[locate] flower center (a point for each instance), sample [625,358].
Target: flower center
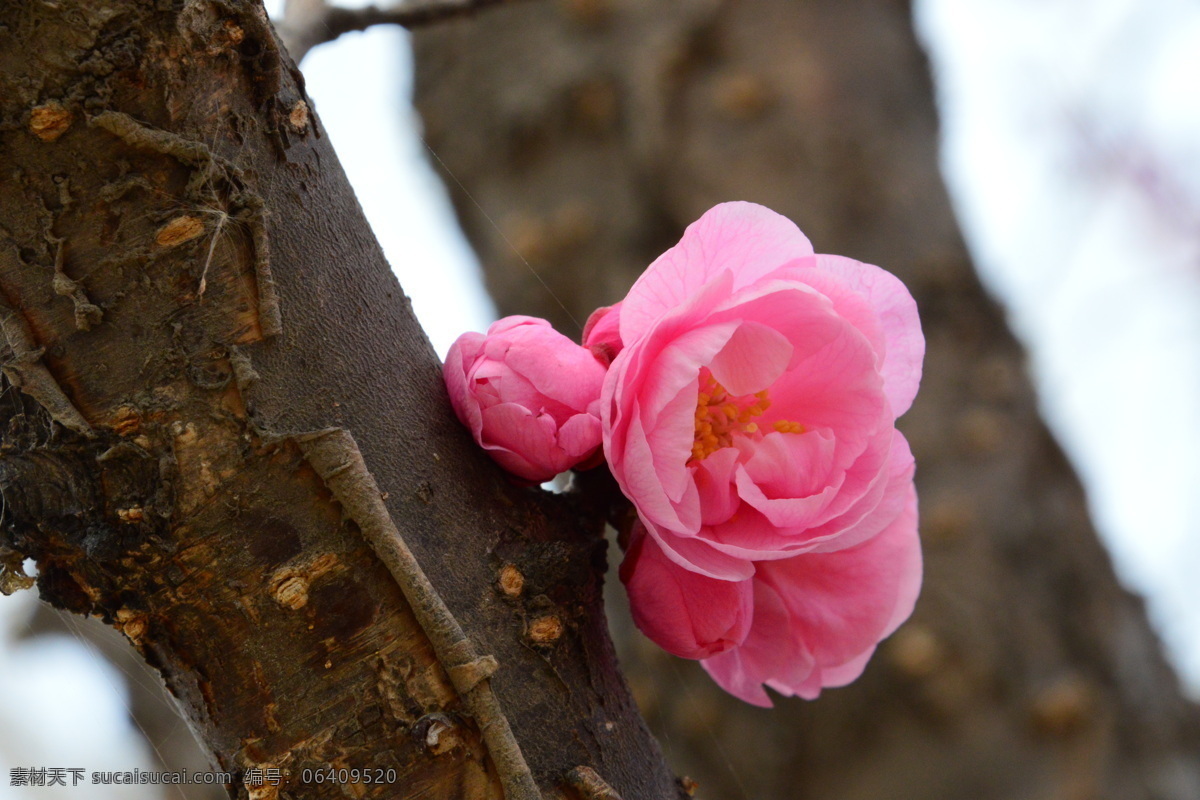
[719,416]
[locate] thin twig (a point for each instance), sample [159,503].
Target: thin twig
[335,456]
[308,23]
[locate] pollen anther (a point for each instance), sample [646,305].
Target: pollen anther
[719,416]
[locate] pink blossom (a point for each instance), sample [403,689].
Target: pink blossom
[750,417]
[529,395]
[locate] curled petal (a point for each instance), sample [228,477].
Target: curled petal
[897,314]
[602,333]
[685,613]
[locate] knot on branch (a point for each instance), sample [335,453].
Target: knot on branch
[466,677]
[78,507]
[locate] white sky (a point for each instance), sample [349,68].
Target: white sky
[1072,149]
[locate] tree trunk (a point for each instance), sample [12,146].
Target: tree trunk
[581,137]
[226,412]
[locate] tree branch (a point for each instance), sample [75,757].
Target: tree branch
[335,456]
[260,571]
[308,23]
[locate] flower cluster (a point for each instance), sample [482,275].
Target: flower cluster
[745,394]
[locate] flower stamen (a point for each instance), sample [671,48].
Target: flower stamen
[719,416]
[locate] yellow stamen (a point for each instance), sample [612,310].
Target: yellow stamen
[719,416]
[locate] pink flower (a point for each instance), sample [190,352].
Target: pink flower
[529,395]
[750,417]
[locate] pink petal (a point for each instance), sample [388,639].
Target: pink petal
[876,509]
[818,618]
[641,484]
[906,528]
[843,603]
[602,333]
[747,239]
[793,482]
[714,483]
[831,677]
[531,437]
[579,437]
[684,613]
[790,465]
[846,498]
[673,432]
[897,312]
[496,382]
[678,364]
[668,391]
[513,323]
[454,372]
[614,411]
[848,304]
[752,359]
[769,653]
[750,535]
[802,315]
[700,556]
[553,365]
[630,370]
[519,465]
[835,388]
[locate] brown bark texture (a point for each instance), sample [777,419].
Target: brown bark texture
[579,138]
[224,433]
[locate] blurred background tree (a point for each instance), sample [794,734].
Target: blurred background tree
[580,137]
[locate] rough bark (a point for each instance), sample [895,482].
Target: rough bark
[230,430]
[580,137]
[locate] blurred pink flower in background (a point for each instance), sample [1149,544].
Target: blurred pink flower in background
[749,415]
[528,394]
